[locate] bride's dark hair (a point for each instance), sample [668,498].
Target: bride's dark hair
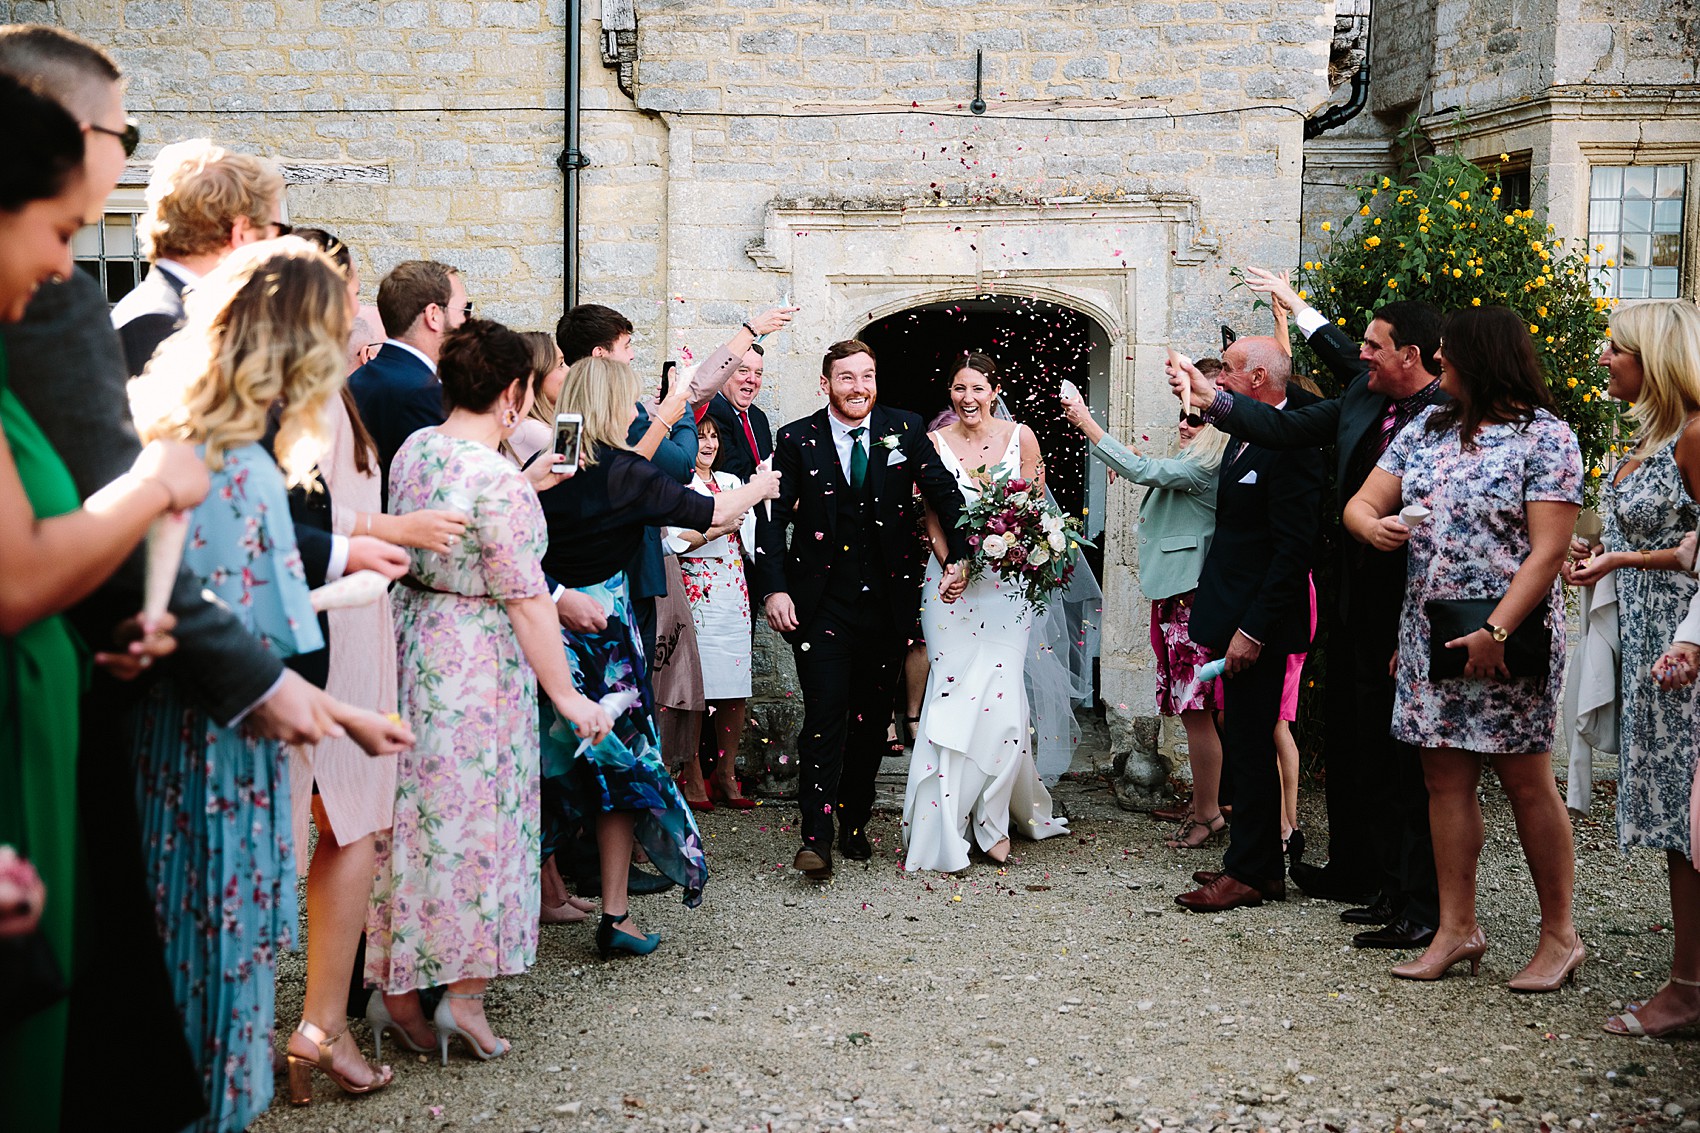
[975,360]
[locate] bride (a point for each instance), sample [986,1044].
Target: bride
[972,767]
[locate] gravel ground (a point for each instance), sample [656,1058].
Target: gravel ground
[1063,991]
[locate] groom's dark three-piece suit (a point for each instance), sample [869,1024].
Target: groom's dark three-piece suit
[853,570]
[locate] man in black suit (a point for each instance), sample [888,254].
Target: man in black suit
[1253,607]
[1379,845]
[397,392]
[206,203]
[745,438]
[847,592]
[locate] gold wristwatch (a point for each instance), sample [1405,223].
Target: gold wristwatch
[1496,632]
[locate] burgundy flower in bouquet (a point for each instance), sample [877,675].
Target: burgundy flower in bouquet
[1018,533]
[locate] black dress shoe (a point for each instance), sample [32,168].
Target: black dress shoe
[1378,912]
[853,844]
[1327,884]
[1402,933]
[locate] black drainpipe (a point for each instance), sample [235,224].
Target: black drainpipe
[1340,115]
[571,161]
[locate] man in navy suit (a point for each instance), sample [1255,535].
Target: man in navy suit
[397,392]
[206,203]
[1253,607]
[745,437]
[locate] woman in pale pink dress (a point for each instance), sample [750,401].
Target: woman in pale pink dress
[351,794]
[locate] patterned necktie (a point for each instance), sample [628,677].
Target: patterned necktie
[1389,426]
[858,459]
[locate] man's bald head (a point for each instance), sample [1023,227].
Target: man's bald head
[1256,366]
[72,71]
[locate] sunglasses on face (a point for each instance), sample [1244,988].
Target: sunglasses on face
[1194,419]
[129,137]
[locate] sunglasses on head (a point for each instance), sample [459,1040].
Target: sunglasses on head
[129,137]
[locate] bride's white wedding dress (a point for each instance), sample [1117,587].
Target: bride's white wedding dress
[972,767]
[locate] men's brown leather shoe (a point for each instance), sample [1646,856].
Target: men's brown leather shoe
[1274,891]
[814,866]
[1219,896]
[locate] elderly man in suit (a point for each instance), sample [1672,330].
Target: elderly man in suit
[1379,845]
[204,202]
[846,593]
[746,439]
[1253,608]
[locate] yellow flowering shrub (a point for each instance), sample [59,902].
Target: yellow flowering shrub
[1426,223]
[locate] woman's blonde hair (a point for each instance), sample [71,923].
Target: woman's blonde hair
[1665,335]
[544,355]
[1207,447]
[267,328]
[603,392]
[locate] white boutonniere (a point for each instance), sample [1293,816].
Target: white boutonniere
[891,441]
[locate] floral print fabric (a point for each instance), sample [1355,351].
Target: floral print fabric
[214,801]
[457,879]
[1178,659]
[1650,510]
[1472,545]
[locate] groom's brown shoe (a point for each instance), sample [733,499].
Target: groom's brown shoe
[814,866]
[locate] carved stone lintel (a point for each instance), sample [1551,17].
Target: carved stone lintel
[294,173]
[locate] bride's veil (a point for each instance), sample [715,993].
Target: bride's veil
[1059,661]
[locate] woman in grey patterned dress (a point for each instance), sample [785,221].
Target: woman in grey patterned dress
[1654,362]
[1503,479]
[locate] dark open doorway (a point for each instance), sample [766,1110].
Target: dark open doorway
[1036,344]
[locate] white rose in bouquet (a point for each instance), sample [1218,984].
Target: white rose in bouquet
[1040,556]
[995,546]
[1056,540]
[1018,499]
[1052,525]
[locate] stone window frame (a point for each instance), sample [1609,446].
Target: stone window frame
[1684,153]
[1610,229]
[97,247]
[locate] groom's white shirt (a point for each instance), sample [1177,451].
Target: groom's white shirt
[842,440]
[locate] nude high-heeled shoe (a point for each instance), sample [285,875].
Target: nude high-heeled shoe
[1524,982]
[301,1068]
[1472,948]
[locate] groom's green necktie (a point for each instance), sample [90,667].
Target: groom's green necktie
[858,459]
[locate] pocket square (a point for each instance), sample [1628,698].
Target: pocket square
[894,457]
[1249,477]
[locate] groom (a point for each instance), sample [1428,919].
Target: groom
[847,593]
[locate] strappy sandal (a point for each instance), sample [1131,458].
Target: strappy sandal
[1183,837]
[301,1068]
[1629,1024]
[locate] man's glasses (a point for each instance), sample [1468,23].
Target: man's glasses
[129,137]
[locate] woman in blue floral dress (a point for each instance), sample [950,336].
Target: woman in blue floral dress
[1502,477]
[1653,359]
[269,326]
[620,789]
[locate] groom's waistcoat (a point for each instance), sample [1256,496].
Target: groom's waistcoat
[857,563]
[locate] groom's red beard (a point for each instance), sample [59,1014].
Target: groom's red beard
[840,406]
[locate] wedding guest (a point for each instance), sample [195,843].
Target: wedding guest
[397,392]
[1177,521]
[711,563]
[1287,748]
[67,329]
[351,795]
[1502,479]
[548,370]
[747,437]
[1653,362]
[456,900]
[204,202]
[620,788]
[268,326]
[55,549]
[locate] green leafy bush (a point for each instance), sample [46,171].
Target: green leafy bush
[1443,235]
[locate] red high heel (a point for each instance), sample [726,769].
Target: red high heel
[736,802]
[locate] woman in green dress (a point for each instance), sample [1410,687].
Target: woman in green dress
[54,550]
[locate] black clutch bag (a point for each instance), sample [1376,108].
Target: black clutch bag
[1528,651]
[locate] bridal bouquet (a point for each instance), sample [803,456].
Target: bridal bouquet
[1018,534]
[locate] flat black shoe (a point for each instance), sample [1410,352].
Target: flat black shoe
[640,883]
[1378,912]
[1325,884]
[1401,933]
[853,844]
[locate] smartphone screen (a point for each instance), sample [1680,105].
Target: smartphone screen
[568,428]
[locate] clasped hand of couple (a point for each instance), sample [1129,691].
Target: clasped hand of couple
[1587,564]
[782,612]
